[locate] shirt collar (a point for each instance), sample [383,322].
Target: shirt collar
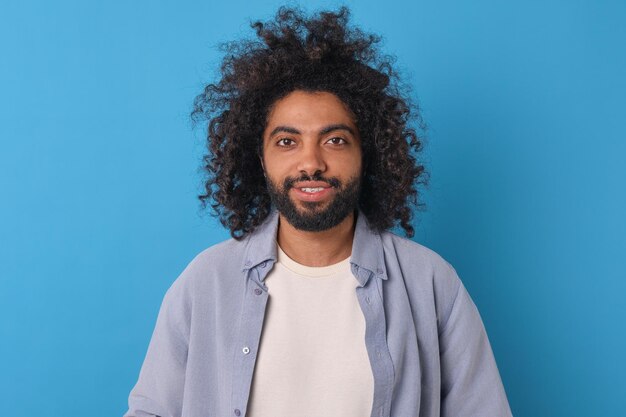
[367,250]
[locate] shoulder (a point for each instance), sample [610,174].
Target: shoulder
[225,254]
[416,255]
[423,271]
[221,261]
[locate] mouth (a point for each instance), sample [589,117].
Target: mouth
[312,192]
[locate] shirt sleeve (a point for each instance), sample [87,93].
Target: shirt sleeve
[159,389]
[470,381]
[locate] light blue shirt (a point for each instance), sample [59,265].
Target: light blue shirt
[426,343]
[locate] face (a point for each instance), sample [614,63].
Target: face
[312,159]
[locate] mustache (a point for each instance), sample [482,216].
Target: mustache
[290,181]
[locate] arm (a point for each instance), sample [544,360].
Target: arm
[159,389]
[470,381]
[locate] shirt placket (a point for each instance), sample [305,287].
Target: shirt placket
[371,302]
[247,347]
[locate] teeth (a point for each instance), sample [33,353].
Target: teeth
[312,190]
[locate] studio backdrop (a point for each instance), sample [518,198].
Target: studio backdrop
[99,176]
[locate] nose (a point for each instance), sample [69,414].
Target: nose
[311,160]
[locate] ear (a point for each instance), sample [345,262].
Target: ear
[262,166]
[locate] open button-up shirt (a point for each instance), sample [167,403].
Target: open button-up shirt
[427,345]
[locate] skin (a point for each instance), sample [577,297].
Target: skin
[336,153]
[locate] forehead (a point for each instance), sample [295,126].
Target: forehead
[309,110]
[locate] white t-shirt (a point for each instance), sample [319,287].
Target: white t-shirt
[312,360]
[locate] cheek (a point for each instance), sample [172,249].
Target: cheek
[274,166]
[353,164]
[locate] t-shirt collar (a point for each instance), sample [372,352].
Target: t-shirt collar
[367,250]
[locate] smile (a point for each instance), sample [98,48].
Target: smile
[312,193]
[312,190]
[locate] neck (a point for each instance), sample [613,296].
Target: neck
[317,248]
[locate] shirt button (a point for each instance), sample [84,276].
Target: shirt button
[258,291]
[237,412]
[245,350]
[248,263]
[379,271]
[263,264]
[367,299]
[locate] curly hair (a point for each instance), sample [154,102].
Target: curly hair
[319,53]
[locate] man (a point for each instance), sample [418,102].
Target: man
[313,308]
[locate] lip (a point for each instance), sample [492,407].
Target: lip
[318,196]
[311,184]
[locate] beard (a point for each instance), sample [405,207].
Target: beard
[315,217]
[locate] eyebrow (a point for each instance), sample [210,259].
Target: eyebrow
[325,130]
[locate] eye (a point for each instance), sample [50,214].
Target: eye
[337,141]
[285,142]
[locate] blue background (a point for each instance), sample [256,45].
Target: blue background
[99,173]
